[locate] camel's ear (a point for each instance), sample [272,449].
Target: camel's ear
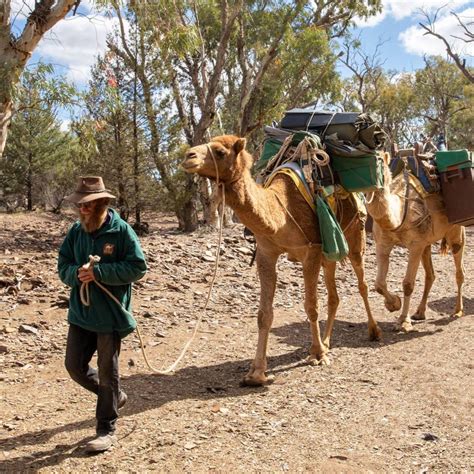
[385,155]
[239,145]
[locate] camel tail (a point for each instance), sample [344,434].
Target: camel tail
[444,247]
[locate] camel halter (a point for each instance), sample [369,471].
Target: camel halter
[85,297]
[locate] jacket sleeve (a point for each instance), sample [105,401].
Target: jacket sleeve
[131,268]
[67,266]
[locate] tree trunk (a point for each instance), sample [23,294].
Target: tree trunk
[121,201]
[208,198]
[5,115]
[187,214]
[136,167]
[29,184]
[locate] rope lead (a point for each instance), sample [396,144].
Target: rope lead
[85,297]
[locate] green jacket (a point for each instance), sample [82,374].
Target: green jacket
[121,263]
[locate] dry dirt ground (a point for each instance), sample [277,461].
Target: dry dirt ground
[402,405]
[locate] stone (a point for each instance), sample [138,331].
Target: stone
[27,329]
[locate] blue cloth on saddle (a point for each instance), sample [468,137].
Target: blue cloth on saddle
[417,169]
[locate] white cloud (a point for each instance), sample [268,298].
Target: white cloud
[75,43]
[65,125]
[416,42]
[400,9]
[403,8]
[21,8]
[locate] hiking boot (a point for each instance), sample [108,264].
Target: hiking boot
[122,399]
[102,442]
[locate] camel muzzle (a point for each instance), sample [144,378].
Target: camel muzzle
[191,163]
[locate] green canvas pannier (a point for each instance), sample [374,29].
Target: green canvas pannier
[334,244]
[363,173]
[457,158]
[271,146]
[274,140]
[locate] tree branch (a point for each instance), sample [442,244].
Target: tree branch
[429,30]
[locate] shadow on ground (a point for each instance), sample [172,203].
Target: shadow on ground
[148,392]
[446,304]
[349,334]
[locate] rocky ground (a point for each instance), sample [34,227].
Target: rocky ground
[401,405]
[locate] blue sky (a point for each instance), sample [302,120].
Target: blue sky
[74,43]
[404,42]
[392,51]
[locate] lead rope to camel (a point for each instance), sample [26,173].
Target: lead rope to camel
[85,299]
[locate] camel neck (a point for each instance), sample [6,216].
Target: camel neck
[386,209]
[256,207]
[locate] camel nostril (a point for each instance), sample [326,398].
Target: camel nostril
[190,154]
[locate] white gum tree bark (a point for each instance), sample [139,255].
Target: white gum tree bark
[15,51]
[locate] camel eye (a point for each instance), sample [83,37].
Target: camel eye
[220,152]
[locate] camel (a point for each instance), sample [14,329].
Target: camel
[406,217]
[282,222]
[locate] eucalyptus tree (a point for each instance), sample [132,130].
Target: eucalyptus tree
[228,66]
[111,104]
[368,75]
[462,124]
[397,110]
[16,49]
[443,94]
[283,57]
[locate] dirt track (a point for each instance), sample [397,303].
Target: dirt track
[403,405]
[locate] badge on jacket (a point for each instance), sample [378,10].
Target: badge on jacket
[108,249]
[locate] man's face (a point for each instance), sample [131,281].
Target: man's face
[91,214]
[86,209]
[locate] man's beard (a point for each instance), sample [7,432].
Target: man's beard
[94,220]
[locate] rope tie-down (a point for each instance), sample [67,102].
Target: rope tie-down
[93,259]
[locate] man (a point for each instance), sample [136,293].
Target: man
[100,326]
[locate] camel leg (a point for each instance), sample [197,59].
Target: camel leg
[427,263]
[333,300]
[456,239]
[357,262]
[414,257]
[392,302]
[266,266]
[318,350]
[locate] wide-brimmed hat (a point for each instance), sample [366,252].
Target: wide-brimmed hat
[89,188]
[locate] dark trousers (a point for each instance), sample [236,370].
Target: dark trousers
[105,382]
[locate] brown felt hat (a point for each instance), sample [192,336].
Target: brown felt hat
[89,188]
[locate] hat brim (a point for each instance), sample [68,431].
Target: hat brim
[79,198]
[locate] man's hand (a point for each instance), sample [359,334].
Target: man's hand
[86,274]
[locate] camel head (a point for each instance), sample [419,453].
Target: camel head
[226,152]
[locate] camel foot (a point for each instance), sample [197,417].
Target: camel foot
[419,316]
[375,333]
[393,304]
[326,344]
[257,381]
[404,326]
[314,361]
[458,314]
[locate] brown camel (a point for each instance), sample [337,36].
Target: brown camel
[282,222]
[408,217]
